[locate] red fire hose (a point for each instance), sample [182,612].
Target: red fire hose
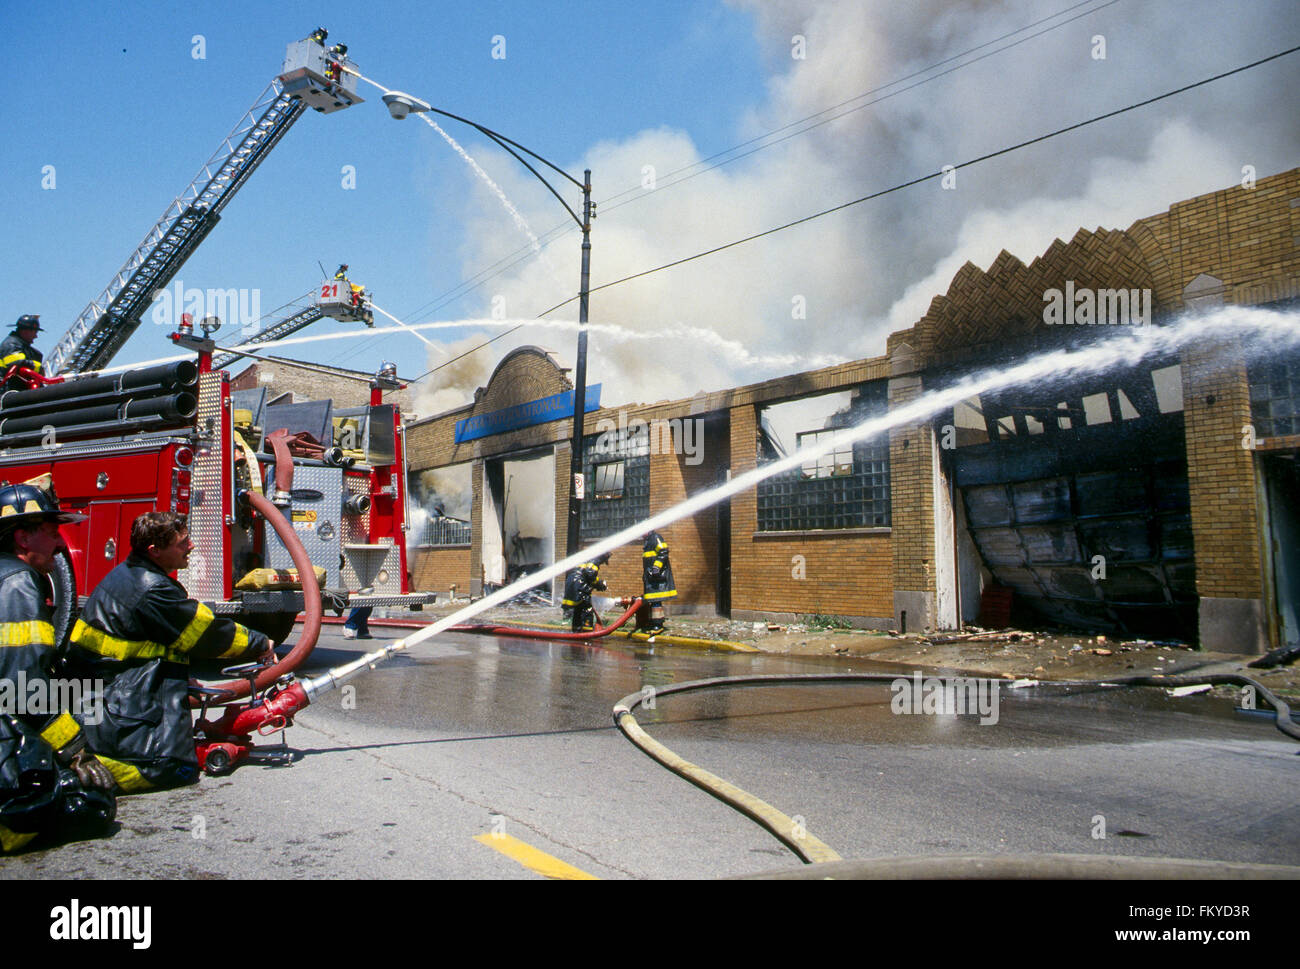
[487,629]
[311,606]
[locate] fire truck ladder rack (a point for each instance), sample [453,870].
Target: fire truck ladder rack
[109,321]
[276,331]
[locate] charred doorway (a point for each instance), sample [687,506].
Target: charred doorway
[1280,480]
[518,517]
[1074,495]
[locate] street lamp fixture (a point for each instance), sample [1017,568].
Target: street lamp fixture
[399,106]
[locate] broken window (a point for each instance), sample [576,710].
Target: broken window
[439,504]
[847,487]
[616,468]
[607,480]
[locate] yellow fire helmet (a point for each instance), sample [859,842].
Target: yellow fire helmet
[32,501]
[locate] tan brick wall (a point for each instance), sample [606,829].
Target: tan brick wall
[845,576]
[693,541]
[312,385]
[911,484]
[436,569]
[1221,475]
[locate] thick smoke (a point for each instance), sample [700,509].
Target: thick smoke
[836,287]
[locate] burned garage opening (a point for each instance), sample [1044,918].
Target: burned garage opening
[1074,495]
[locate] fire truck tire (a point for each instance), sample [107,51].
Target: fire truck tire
[63,583]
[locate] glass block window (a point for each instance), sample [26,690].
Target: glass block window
[1275,396]
[616,472]
[443,531]
[847,488]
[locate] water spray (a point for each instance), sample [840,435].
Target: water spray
[409,329]
[1125,350]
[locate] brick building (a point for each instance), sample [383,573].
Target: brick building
[1160,499]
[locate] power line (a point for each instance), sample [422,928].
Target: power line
[525,253]
[887,191]
[859,107]
[932,175]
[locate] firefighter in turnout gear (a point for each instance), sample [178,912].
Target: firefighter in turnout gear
[137,634]
[356,292]
[578,587]
[657,580]
[17,350]
[49,781]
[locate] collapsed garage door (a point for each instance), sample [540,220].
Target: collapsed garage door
[1076,498]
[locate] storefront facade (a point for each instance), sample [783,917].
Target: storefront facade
[1126,502]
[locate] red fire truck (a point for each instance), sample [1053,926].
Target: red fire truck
[175,437]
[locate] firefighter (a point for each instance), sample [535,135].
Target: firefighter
[319,35]
[17,349]
[48,779]
[137,634]
[657,579]
[342,272]
[578,587]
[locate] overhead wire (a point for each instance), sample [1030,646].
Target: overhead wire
[925,178]
[894,188]
[526,253]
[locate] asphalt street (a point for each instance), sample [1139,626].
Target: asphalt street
[473,757]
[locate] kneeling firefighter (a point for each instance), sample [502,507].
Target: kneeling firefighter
[656,579]
[578,587]
[137,634]
[49,782]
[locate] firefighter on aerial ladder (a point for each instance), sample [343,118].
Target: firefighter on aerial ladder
[49,781]
[137,634]
[357,291]
[17,350]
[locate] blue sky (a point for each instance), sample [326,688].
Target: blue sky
[111,96]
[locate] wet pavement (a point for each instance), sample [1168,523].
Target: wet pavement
[474,736]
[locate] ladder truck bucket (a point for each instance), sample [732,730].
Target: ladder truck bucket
[319,78]
[337,300]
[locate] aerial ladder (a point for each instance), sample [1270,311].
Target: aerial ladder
[312,76]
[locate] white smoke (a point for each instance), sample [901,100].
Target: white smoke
[836,287]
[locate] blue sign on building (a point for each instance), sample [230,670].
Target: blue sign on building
[543,411]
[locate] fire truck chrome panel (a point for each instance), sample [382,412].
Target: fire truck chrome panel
[373,566]
[205,577]
[356,528]
[316,512]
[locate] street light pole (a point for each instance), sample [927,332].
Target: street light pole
[574,531]
[401,105]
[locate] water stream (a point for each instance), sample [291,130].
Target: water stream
[1265,330]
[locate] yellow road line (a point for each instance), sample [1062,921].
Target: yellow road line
[532,858]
